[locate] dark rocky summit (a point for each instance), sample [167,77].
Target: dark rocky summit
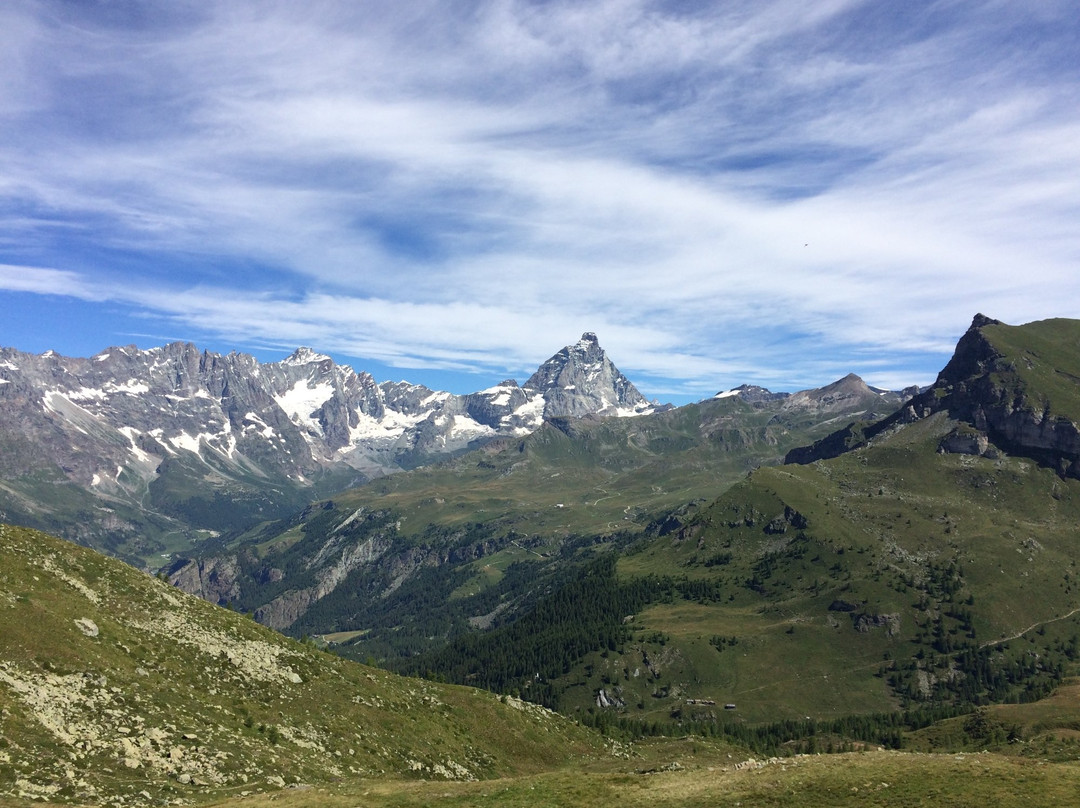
[986,386]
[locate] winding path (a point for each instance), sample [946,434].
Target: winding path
[1033,626]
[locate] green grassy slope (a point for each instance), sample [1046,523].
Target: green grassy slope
[894,574]
[114,686]
[902,557]
[879,779]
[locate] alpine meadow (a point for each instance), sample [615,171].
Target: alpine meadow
[526,403]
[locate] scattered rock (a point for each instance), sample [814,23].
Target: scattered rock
[87,626]
[863,623]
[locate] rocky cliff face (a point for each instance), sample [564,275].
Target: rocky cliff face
[192,440]
[1012,388]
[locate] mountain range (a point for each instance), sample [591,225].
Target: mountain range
[885,550]
[758,573]
[143,452]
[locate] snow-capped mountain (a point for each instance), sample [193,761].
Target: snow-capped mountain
[217,441]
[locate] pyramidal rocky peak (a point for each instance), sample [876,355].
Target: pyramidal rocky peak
[581,380]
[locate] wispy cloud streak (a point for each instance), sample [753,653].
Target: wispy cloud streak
[748,191]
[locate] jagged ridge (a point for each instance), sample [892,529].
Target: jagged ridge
[173,439]
[1013,388]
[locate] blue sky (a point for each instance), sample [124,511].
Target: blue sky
[772,191]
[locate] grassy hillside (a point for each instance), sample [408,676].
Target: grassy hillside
[117,690]
[114,687]
[880,779]
[928,565]
[469,542]
[1045,357]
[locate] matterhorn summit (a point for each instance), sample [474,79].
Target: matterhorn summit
[580,380]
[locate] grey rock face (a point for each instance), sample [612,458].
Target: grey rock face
[581,380]
[191,438]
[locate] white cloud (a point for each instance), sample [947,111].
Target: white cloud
[451,187]
[43,281]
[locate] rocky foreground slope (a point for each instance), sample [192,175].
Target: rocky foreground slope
[117,689]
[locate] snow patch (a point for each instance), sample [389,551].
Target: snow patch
[131,386]
[500,394]
[728,394]
[434,398]
[462,426]
[301,402]
[85,394]
[258,424]
[393,424]
[188,442]
[130,433]
[530,414]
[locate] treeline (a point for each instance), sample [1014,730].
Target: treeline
[785,737]
[585,615]
[405,616]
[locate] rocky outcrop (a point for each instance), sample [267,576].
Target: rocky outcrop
[864,623]
[214,579]
[1008,396]
[966,441]
[332,569]
[610,699]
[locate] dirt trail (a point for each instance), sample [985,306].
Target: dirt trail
[1032,627]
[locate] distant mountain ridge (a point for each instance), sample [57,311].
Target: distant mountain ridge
[835,396]
[194,439]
